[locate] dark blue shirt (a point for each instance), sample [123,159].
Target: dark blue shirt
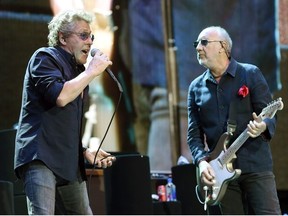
[47,132]
[208,111]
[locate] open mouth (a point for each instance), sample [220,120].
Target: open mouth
[85,52]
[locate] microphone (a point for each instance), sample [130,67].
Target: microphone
[93,52]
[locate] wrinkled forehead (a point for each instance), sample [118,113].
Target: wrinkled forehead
[81,25]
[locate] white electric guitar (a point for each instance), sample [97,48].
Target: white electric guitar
[221,160]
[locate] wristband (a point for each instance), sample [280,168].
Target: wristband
[202,159]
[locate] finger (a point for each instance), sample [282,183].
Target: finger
[98,164]
[206,176]
[252,125]
[103,164]
[253,133]
[211,172]
[250,134]
[252,130]
[110,157]
[207,182]
[109,163]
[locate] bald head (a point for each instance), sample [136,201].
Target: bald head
[220,33]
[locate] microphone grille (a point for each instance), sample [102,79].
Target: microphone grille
[93,52]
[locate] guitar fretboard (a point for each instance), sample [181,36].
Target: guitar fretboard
[229,153]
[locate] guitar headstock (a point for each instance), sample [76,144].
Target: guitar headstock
[270,110]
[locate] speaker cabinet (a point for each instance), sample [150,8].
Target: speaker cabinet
[184,177]
[6,198]
[7,146]
[167,208]
[128,186]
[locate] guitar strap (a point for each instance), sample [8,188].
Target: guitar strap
[231,122]
[234,106]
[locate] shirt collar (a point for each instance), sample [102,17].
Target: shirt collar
[71,59]
[231,70]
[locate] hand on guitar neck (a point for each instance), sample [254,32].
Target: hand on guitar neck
[256,127]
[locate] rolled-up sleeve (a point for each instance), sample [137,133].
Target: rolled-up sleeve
[47,77]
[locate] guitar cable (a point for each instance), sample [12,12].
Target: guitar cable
[197,195]
[205,188]
[206,197]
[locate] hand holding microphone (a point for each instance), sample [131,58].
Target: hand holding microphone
[93,52]
[99,62]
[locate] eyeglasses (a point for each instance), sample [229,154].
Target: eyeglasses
[84,35]
[204,42]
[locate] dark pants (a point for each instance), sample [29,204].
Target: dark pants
[253,193]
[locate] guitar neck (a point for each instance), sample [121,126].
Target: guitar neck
[230,152]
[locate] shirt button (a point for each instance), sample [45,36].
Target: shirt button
[219,90]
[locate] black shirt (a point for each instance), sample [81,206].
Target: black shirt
[208,111]
[47,132]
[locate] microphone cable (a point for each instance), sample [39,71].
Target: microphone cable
[108,127]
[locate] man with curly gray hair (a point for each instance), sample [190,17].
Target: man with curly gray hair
[49,158]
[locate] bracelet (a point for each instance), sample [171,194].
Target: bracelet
[202,159]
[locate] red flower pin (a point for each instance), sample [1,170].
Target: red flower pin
[243,91]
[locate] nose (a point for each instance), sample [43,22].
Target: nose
[90,41]
[198,47]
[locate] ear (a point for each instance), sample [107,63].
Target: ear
[62,38]
[223,47]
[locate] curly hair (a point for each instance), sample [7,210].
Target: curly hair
[64,22]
